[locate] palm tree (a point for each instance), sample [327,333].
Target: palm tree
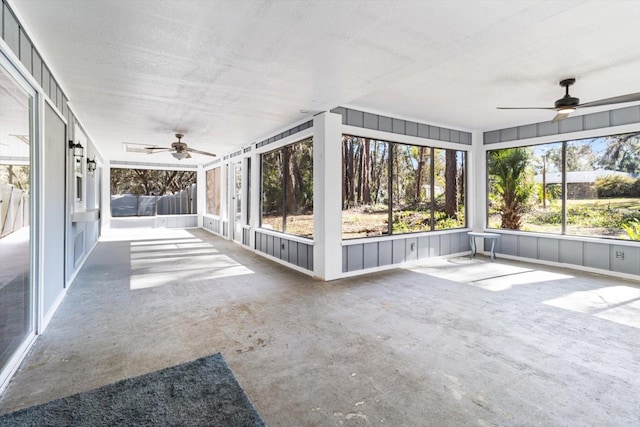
[507,174]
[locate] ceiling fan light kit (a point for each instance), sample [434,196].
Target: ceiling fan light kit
[568,104]
[179,150]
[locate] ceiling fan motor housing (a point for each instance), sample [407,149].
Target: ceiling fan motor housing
[567,101]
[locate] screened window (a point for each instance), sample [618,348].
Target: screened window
[287,189]
[587,187]
[149,192]
[391,188]
[213,191]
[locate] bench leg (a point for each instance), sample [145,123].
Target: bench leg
[472,243]
[493,249]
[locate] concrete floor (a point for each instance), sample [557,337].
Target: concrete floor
[448,343]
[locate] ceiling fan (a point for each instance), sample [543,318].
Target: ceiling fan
[568,104]
[178,149]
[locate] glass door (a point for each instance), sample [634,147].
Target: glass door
[237,202]
[17,300]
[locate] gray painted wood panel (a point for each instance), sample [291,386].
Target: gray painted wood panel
[398,251]
[370,255]
[385,252]
[598,120]
[355,257]
[571,252]
[597,255]
[528,247]
[625,259]
[549,249]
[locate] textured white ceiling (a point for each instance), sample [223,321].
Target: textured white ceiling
[228,73]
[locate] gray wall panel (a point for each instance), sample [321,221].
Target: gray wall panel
[424,250]
[293,253]
[398,251]
[492,137]
[355,118]
[344,259]
[25,51]
[355,257]
[549,249]
[445,135]
[411,249]
[434,132]
[412,128]
[571,252]
[509,134]
[284,250]
[385,124]
[528,247]
[445,244]
[572,124]
[624,116]
[547,128]
[398,126]
[596,255]
[455,243]
[385,251]
[309,257]
[423,130]
[434,242]
[625,259]
[508,245]
[303,256]
[370,255]
[276,247]
[370,121]
[528,131]
[11,31]
[597,120]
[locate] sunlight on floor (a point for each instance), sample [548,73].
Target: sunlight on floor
[491,276]
[167,256]
[620,304]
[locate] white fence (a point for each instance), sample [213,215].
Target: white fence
[14,209]
[181,203]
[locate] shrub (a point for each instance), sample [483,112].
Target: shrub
[617,186]
[633,229]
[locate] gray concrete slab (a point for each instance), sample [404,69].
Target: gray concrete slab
[449,342]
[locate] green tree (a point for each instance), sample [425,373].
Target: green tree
[508,178]
[622,153]
[150,182]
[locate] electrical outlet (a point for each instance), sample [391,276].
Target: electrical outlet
[413,247]
[619,254]
[282,246]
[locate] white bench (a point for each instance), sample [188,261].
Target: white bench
[491,236]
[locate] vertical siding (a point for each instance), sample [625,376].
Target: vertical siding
[367,255]
[290,251]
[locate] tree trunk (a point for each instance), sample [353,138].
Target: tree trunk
[451,187]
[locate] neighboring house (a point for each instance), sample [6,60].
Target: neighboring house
[580,184]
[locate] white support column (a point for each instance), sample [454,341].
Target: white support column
[327,196]
[255,204]
[201,194]
[477,191]
[105,196]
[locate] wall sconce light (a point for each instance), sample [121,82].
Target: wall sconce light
[78,150]
[91,166]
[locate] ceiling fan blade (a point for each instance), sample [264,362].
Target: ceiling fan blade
[631,97]
[525,108]
[560,116]
[153,150]
[200,152]
[188,156]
